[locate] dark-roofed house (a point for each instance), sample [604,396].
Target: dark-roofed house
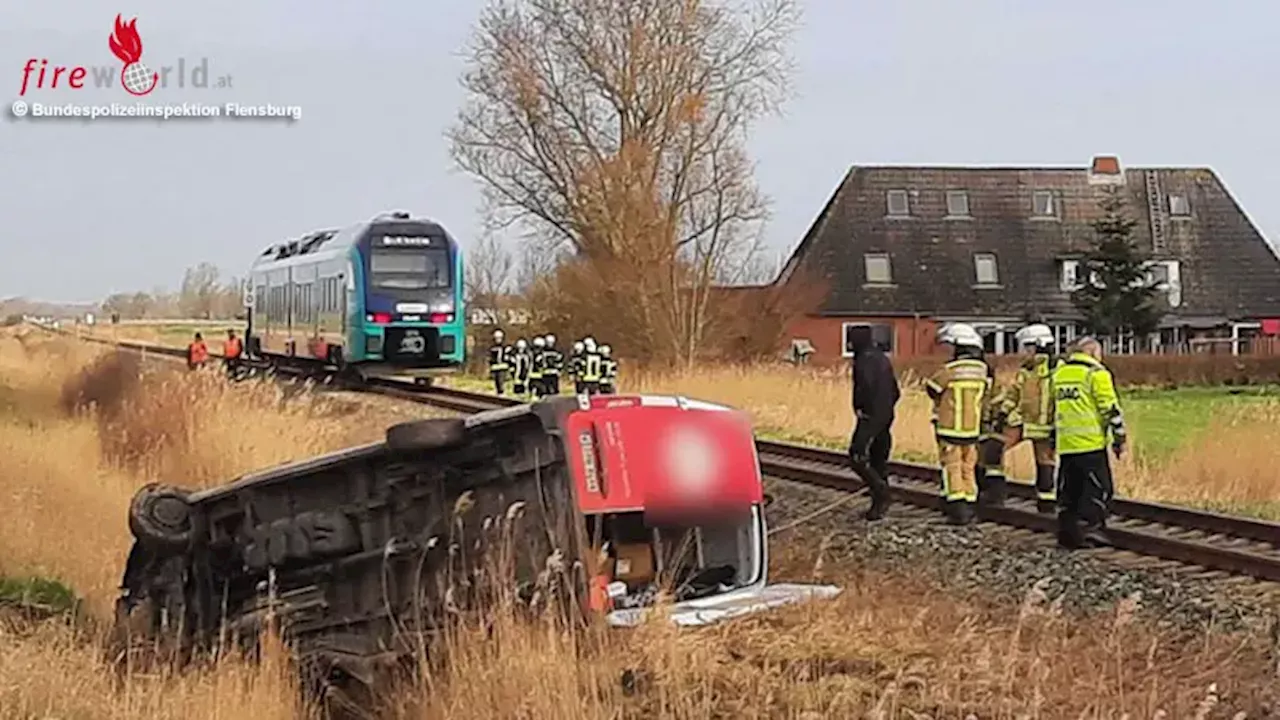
[903,249]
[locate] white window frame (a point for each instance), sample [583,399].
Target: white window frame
[844,336]
[961,197]
[1069,280]
[1037,196]
[866,268]
[978,258]
[906,203]
[1174,201]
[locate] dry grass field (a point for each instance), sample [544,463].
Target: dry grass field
[889,647]
[1201,447]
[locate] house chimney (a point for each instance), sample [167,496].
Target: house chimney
[1105,170]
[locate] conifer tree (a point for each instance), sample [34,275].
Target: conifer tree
[1115,293]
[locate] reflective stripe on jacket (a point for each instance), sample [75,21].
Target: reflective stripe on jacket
[498,357]
[958,391]
[1035,396]
[537,364]
[591,367]
[1086,406]
[554,362]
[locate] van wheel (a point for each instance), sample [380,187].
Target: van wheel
[430,434]
[160,515]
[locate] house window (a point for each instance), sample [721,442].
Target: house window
[899,205]
[957,203]
[881,335]
[1179,206]
[1069,280]
[1043,204]
[878,269]
[986,269]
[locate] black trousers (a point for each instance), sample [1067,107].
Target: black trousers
[879,444]
[499,380]
[553,384]
[1085,489]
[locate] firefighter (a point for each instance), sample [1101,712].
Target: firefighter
[576,361]
[232,349]
[608,371]
[499,362]
[555,363]
[875,395]
[958,392]
[538,368]
[197,353]
[1023,411]
[521,365]
[592,366]
[1086,416]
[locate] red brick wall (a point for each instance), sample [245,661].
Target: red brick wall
[911,337]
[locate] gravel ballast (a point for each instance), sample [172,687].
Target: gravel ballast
[1009,562]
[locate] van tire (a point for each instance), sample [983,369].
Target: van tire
[433,434]
[160,516]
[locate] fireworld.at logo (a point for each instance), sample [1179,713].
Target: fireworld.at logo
[136,78]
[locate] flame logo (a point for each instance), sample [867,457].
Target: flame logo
[126,44]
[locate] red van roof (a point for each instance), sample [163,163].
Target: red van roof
[672,458]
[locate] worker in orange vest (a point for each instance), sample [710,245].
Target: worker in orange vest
[232,349]
[197,353]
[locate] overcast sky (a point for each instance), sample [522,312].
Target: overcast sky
[124,205]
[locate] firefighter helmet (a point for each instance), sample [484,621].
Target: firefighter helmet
[1038,334]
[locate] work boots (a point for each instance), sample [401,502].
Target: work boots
[993,490]
[1045,481]
[879,503]
[958,512]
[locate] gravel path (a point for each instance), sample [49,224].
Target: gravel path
[1009,562]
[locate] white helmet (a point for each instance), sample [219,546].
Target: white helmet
[521,344]
[605,350]
[589,343]
[539,342]
[968,338]
[551,340]
[578,346]
[497,335]
[959,334]
[1038,334]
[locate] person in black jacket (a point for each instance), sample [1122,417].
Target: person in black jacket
[875,395]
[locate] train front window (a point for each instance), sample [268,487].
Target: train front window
[410,269]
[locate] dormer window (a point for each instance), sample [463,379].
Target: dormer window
[1044,204]
[1179,206]
[898,203]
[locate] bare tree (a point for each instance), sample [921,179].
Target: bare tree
[199,292]
[490,269]
[618,128]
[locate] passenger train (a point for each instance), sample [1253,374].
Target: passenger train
[380,296]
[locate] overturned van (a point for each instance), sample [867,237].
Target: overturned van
[604,502]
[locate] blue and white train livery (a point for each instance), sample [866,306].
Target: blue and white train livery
[380,296]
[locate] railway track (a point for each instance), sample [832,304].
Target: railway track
[1213,545]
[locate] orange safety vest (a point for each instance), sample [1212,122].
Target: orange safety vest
[197,353]
[231,348]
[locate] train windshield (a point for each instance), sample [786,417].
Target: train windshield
[410,268]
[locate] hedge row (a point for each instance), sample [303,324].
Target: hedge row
[1167,371]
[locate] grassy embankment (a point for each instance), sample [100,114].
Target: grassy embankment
[889,646]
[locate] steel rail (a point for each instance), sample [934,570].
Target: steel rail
[1234,545]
